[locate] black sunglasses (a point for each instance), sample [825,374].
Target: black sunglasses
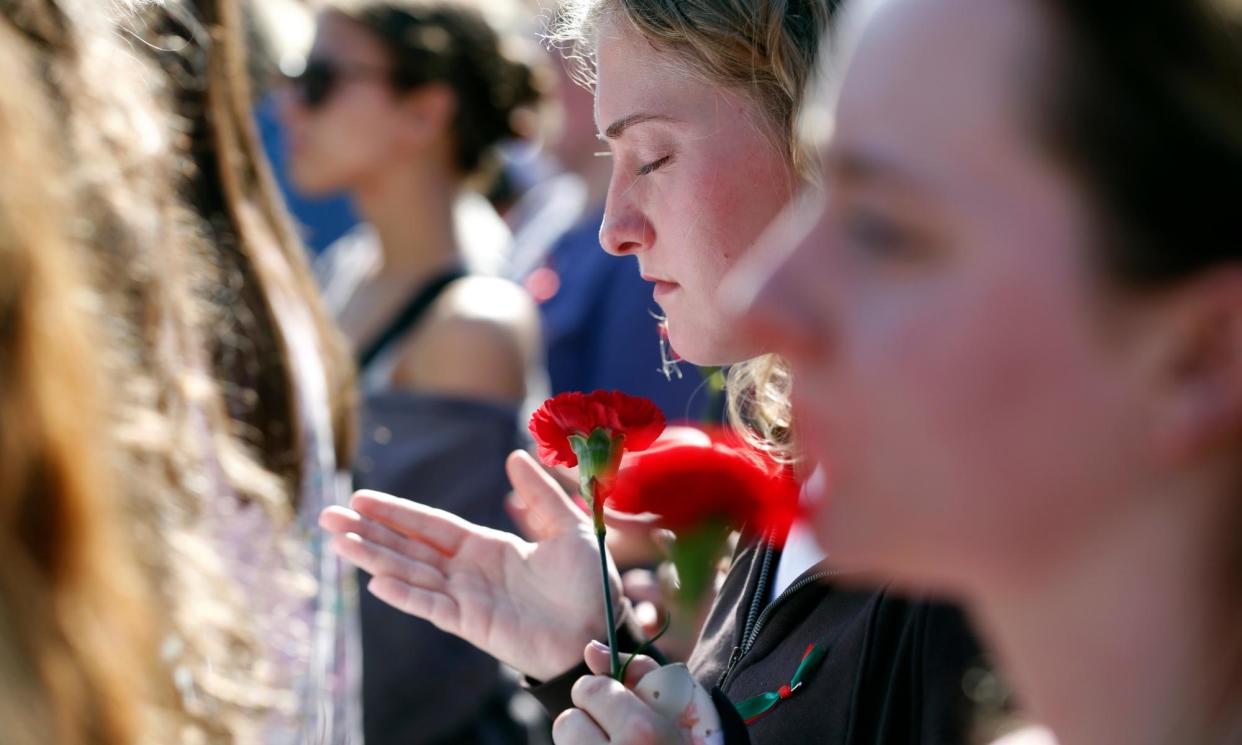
[320,77]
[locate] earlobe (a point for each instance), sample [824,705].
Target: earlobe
[428,111]
[1205,399]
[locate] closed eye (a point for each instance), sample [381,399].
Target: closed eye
[653,166]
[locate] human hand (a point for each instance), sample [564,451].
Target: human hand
[532,605]
[657,706]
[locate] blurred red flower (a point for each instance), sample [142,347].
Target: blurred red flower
[712,480]
[638,421]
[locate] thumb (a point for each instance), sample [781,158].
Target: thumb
[598,659]
[542,501]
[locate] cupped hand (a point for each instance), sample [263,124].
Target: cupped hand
[531,605]
[608,712]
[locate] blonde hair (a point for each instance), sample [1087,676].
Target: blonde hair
[769,50]
[73,657]
[179,233]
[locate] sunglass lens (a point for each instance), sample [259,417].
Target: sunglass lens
[316,82]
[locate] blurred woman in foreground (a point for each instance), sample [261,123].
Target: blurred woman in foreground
[1015,322]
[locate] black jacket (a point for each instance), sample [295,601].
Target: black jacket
[893,672]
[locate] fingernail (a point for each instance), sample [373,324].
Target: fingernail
[599,646]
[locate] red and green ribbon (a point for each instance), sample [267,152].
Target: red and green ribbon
[757,706]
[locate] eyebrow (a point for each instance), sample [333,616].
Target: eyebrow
[617,128]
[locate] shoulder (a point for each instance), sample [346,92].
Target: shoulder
[479,341]
[491,300]
[484,311]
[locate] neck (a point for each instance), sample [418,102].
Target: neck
[412,212]
[1114,644]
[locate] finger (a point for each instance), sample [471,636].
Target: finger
[615,709]
[664,540]
[436,607]
[647,616]
[441,530]
[540,493]
[530,525]
[379,561]
[574,727]
[342,521]
[642,585]
[599,661]
[645,521]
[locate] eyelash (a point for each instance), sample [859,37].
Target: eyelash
[653,166]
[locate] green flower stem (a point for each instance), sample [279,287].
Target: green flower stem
[599,455]
[608,614]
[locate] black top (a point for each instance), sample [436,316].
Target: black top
[410,314]
[892,674]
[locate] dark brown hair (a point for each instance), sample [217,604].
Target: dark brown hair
[439,41]
[258,254]
[1146,112]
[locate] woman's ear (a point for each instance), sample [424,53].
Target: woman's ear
[427,112]
[1201,404]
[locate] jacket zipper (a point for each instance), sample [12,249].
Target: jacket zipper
[752,615]
[755,620]
[763,617]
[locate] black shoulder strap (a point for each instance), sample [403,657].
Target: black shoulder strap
[410,314]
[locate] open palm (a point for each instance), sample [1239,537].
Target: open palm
[531,605]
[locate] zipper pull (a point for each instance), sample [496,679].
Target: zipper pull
[733,658]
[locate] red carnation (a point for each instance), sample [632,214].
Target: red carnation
[592,431]
[711,480]
[637,420]
[701,487]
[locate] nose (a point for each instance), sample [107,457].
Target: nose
[626,229]
[776,294]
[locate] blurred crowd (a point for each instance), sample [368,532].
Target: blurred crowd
[259,255]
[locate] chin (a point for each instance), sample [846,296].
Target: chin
[310,183]
[707,347]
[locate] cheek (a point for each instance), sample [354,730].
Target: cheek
[976,418]
[710,216]
[347,139]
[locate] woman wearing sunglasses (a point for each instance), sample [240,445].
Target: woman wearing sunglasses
[696,101]
[1015,322]
[400,105]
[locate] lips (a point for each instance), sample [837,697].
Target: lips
[662,286]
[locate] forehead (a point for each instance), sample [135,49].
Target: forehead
[336,34]
[634,76]
[929,82]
